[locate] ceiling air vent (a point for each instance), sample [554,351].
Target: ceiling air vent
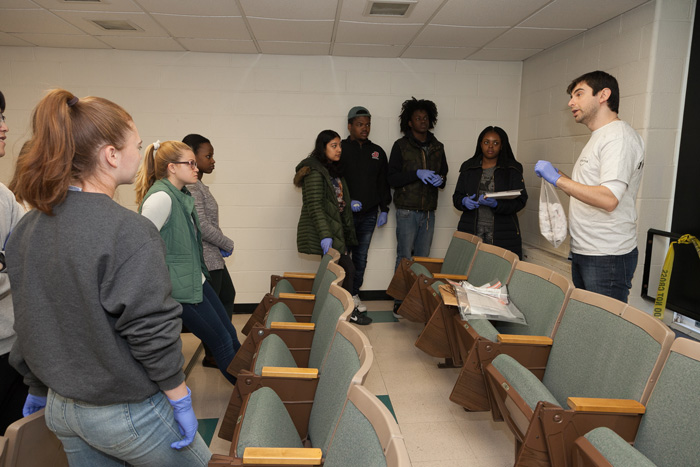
[82,1]
[115,25]
[400,8]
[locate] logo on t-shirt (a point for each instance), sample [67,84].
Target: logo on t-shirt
[375,155]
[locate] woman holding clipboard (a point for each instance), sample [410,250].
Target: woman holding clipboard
[492,170]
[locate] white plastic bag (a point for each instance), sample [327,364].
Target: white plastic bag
[490,301]
[553,224]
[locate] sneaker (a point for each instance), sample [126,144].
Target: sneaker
[358,304]
[396,308]
[359,318]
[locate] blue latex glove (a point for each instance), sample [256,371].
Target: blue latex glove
[470,202]
[186,420]
[546,170]
[381,220]
[490,202]
[33,404]
[436,180]
[326,243]
[356,205]
[424,175]
[225,253]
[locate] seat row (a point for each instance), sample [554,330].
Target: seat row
[299,398]
[573,384]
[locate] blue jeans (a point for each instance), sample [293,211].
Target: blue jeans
[208,321]
[606,275]
[414,233]
[137,433]
[364,228]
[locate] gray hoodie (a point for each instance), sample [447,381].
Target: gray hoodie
[10,213]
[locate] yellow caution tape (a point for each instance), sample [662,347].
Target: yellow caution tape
[665,279]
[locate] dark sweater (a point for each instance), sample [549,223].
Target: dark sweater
[93,312]
[364,167]
[408,155]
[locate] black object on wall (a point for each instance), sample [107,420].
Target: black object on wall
[684,290]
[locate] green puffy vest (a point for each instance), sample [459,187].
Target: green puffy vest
[183,242]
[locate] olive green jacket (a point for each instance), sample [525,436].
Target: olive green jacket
[183,244]
[320,215]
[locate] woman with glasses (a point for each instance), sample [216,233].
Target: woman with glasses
[164,199]
[492,168]
[98,334]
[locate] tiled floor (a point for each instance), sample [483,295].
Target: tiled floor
[438,433]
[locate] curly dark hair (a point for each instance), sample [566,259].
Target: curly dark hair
[410,106]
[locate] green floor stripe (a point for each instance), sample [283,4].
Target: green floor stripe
[385,399]
[382,316]
[206,428]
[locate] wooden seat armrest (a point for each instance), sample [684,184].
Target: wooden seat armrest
[276,456]
[592,404]
[284,372]
[452,277]
[297,296]
[425,259]
[520,339]
[299,275]
[295,326]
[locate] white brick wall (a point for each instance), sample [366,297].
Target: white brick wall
[262,114]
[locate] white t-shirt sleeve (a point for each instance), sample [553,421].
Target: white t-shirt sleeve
[617,187]
[157,208]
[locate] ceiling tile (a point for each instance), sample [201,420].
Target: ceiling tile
[492,13]
[142,43]
[284,9]
[533,38]
[295,48]
[576,14]
[83,20]
[111,5]
[291,30]
[204,27]
[366,50]
[444,53]
[192,8]
[22,4]
[455,36]
[64,40]
[218,46]
[376,33]
[424,9]
[503,54]
[13,40]
[38,21]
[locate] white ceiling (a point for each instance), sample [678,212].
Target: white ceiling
[441,29]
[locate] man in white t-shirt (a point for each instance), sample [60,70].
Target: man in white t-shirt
[603,189]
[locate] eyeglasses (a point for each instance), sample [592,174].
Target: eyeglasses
[192,163]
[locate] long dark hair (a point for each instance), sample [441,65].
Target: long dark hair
[411,105]
[319,152]
[506,153]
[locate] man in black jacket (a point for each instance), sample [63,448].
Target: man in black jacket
[364,166]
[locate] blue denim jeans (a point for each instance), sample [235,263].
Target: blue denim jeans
[137,433]
[414,233]
[208,321]
[606,275]
[364,228]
